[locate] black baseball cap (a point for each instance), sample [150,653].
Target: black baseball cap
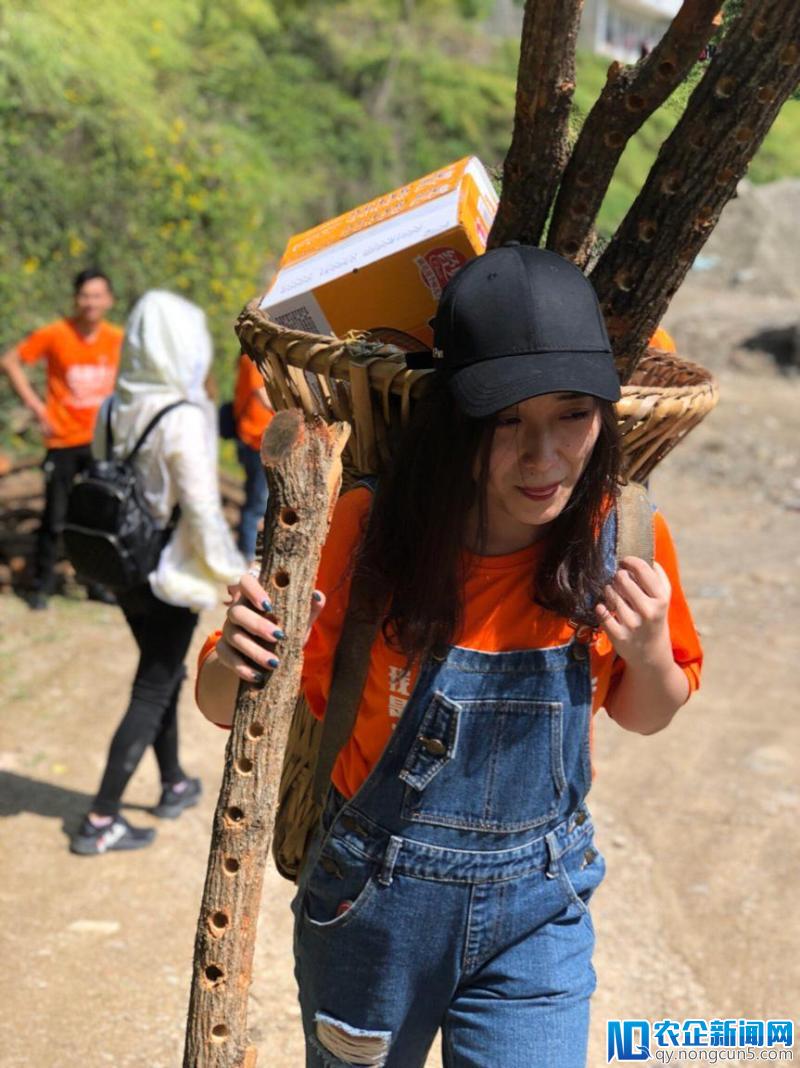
[517,322]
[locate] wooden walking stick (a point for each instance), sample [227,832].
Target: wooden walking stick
[302,456]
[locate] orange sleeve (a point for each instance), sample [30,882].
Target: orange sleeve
[36,345]
[209,645]
[686,648]
[333,579]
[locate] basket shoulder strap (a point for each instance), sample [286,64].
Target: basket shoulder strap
[635,523]
[350,667]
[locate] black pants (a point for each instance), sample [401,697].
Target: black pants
[163,633]
[60,468]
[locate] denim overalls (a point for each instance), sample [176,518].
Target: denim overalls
[452,890]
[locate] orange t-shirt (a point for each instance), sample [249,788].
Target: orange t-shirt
[80,375]
[249,411]
[662,340]
[499,616]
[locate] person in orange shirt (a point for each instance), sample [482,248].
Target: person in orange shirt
[448,882]
[662,340]
[252,414]
[82,355]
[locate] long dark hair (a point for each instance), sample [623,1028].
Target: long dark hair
[412,552]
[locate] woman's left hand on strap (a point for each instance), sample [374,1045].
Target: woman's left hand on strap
[634,612]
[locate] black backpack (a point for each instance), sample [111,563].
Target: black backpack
[109,535]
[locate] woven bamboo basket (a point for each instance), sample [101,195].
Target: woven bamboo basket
[368,384]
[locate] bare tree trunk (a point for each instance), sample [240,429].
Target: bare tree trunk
[629,98]
[302,455]
[540,145]
[756,68]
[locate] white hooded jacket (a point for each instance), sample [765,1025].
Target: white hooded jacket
[166,356]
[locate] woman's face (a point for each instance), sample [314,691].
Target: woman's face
[539,450]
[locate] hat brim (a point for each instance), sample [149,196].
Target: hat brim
[491,385]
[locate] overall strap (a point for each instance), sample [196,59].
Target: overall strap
[156,419]
[635,523]
[351,663]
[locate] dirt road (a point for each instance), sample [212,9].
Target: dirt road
[698,824]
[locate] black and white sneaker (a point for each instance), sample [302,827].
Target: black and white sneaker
[92,841]
[176,797]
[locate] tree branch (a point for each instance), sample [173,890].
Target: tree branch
[302,456]
[630,96]
[539,146]
[696,173]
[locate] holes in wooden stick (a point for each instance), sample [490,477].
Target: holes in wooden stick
[625,280]
[234,816]
[671,183]
[255,730]
[288,517]
[213,975]
[244,765]
[704,217]
[614,139]
[617,325]
[759,29]
[725,87]
[218,922]
[647,230]
[635,102]
[666,69]
[281,579]
[230,865]
[219,1033]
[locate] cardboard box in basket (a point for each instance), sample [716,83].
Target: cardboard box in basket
[381,268]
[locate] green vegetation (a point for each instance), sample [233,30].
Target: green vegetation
[178,143]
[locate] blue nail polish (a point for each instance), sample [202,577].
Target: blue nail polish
[259,679]
[316,596]
[272,662]
[266,605]
[278,635]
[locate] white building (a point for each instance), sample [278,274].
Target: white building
[625,29]
[617,28]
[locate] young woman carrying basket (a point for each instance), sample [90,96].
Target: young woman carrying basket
[448,883]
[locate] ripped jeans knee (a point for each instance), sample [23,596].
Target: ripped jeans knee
[340,1045]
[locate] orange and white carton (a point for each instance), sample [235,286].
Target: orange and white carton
[381,268]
